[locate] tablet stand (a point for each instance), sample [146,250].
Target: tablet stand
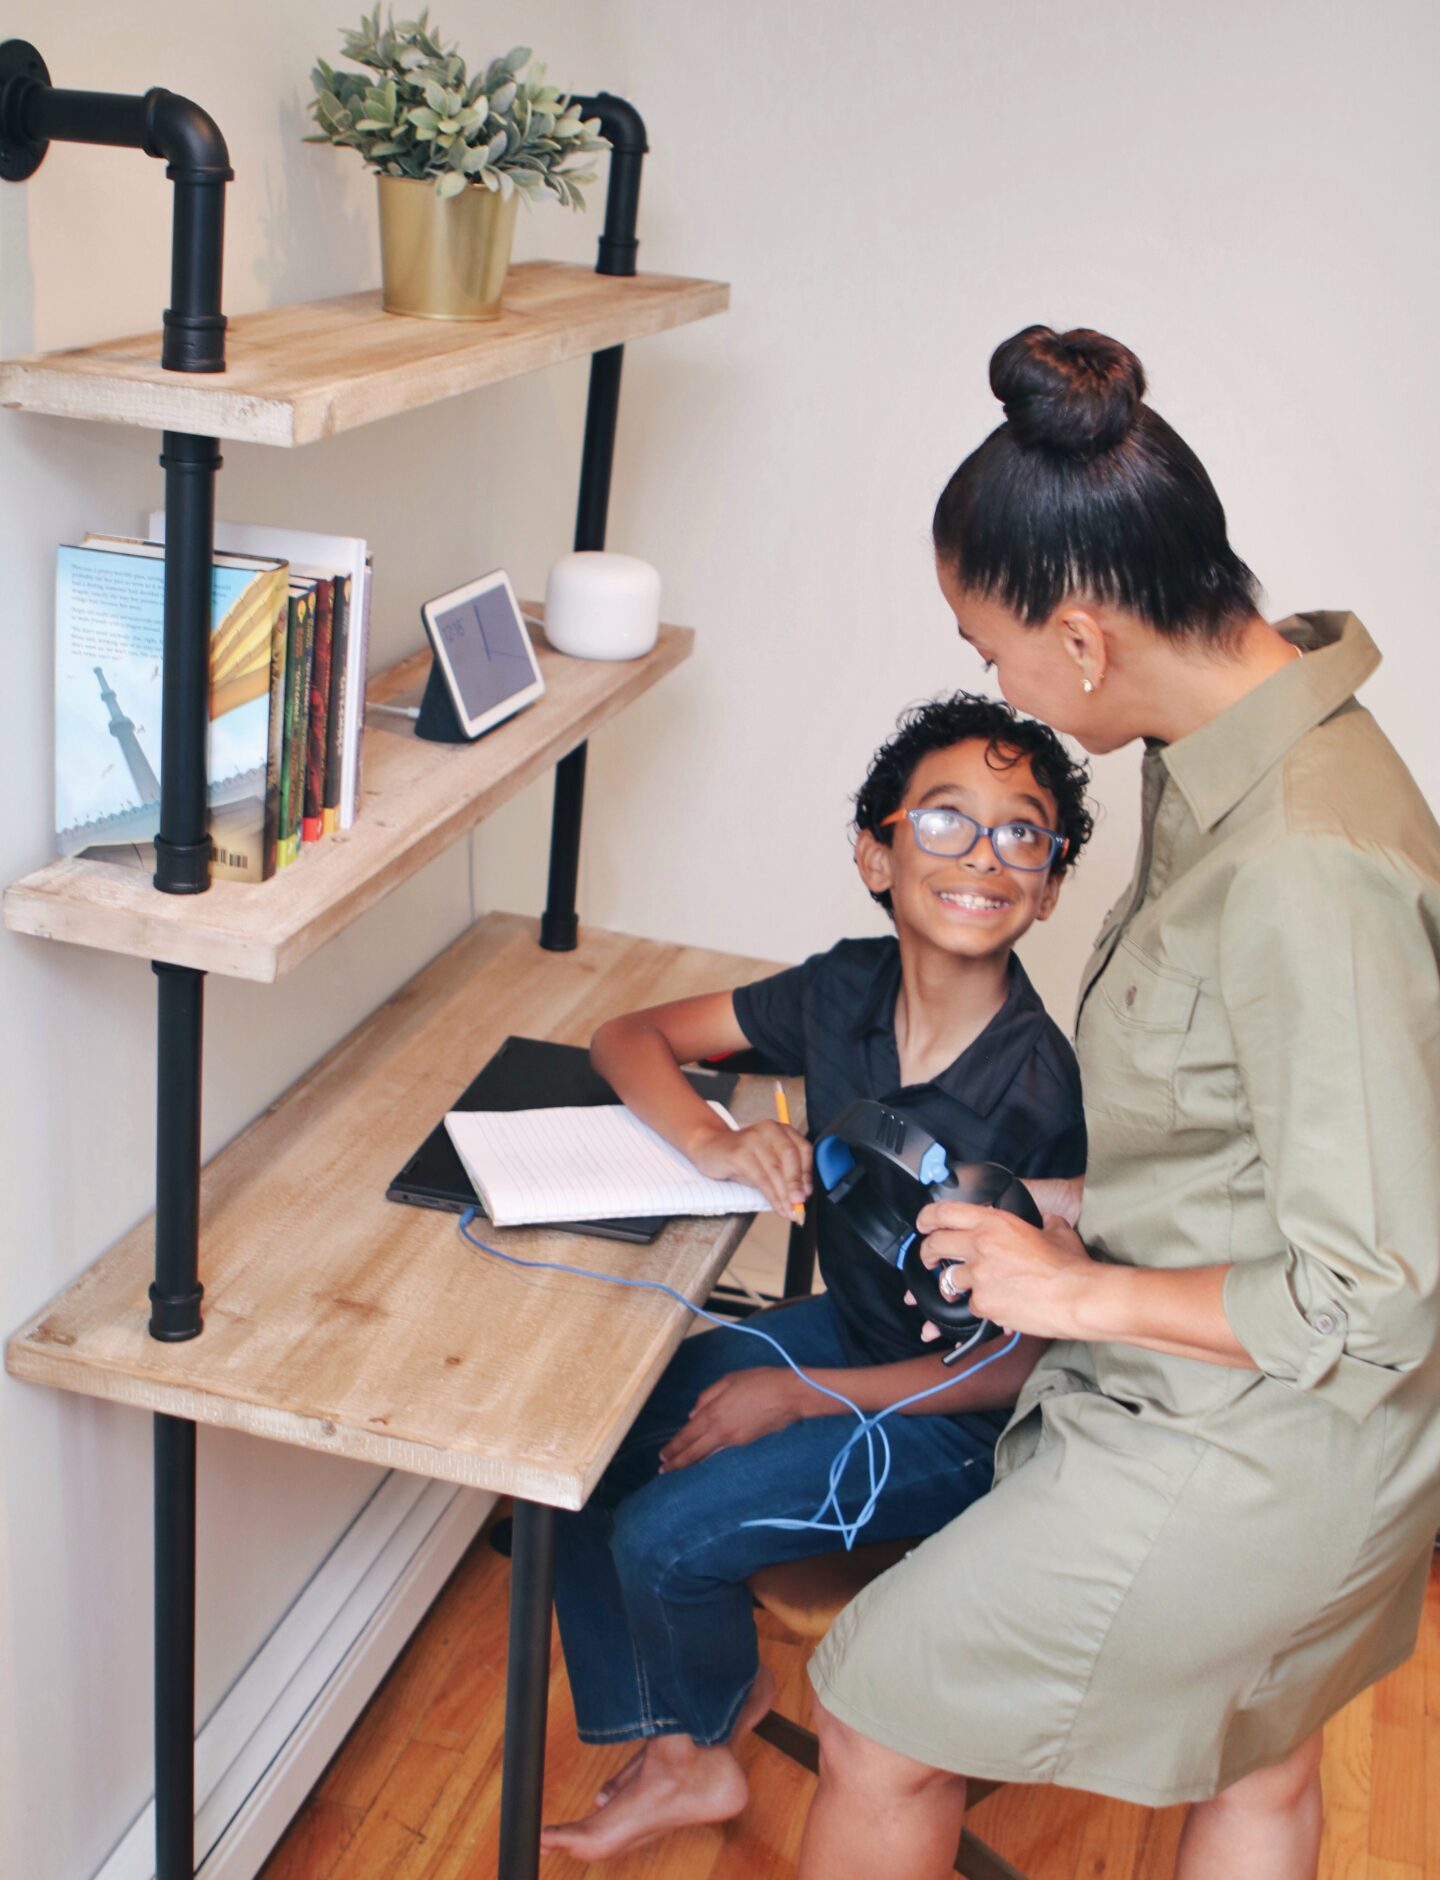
[438,718]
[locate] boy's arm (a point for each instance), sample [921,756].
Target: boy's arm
[745,1405]
[640,1056]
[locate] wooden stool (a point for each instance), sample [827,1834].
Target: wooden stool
[805,1596]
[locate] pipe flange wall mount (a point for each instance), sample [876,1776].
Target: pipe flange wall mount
[20,67]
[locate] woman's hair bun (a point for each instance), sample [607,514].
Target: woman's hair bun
[1075,392]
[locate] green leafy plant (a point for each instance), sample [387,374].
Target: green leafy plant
[414,112]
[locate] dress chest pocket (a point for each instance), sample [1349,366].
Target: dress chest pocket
[1131,1035]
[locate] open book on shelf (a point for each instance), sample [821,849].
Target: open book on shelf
[596,1163]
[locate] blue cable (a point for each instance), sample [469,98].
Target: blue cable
[867,1428]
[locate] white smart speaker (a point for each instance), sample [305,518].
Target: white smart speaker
[602,606]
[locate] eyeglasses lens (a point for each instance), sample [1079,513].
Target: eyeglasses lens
[951,832]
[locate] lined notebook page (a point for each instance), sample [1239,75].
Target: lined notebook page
[594,1163]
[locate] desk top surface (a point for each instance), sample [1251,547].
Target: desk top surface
[345,1323]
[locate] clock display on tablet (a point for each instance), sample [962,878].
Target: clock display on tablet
[487,650]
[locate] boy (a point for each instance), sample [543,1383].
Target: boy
[965,827]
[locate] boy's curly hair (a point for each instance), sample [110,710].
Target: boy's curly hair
[942,722]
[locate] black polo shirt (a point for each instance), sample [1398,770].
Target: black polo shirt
[1012,1096]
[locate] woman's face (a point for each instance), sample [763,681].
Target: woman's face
[1042,670]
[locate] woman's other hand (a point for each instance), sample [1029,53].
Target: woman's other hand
[1022,1278]
[769,1156]
[737,1409]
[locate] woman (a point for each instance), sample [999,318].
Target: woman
[1216,1501]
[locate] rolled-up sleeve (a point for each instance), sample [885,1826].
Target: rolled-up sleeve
[1328,973]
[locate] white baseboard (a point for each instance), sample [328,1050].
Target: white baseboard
[263,1749]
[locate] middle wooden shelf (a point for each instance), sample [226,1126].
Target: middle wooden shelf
[417,798]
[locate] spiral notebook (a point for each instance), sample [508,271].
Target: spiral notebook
[532,1167]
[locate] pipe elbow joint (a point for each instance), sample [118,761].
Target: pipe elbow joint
[619,121]
[187,137]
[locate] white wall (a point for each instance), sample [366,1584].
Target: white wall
[1245,194]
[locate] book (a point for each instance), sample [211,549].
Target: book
[312,823]
[275,749]
[353,774]
[300,627]
[109,658]
[310,553]
[340,640]
[600,1162]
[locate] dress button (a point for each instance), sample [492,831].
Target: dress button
[1129,996]
[1325,1323]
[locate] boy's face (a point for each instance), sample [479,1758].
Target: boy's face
[970,905]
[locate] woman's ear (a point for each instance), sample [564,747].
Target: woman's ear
[874,860]
[1083,639]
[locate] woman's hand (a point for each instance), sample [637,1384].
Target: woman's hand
[1021,1278]
[735,1410]
[769,1156]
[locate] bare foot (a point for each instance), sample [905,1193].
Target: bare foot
[756,1705]
[622,1777]
[677,1785]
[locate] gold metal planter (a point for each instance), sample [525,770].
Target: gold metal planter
[444,257]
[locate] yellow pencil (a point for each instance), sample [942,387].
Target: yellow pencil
[782,1111]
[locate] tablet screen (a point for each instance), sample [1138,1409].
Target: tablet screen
[486,648]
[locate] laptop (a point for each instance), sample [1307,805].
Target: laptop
[529,1074]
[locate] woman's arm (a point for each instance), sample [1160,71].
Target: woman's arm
[745,1405]
[1043,1282]
[640,1056]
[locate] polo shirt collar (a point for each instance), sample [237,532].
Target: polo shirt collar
[1218,765]
[989,1065]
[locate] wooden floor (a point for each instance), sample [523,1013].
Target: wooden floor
[414,1792]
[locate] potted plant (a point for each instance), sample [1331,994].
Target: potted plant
[454,155]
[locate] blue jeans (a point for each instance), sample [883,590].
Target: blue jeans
[655,1618]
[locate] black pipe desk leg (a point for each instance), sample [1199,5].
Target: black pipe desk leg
[174,1648]
[560,923]
[527,1689]
[176,1291]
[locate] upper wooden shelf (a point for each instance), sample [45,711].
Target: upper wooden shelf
[299,373]
[343,1322]
[417,799]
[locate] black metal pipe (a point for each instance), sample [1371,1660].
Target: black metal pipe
[176,1292]
[527,1688]
[174,1454]
[182,848]
[622,124]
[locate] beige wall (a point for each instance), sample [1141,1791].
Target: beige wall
[1245,194]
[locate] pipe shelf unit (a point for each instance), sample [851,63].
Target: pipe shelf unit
[286,377]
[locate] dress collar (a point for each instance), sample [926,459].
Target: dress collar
[1218,765]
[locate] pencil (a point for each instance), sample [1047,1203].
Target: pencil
[782,1112]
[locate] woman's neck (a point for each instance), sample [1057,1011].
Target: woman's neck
[943,1006]
[1187,683]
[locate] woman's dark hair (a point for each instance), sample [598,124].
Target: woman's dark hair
[944,722]
[1085,490]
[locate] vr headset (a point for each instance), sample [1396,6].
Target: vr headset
[880,1168]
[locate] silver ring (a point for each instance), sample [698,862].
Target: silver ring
[948,1288]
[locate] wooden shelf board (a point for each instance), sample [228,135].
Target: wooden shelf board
[342,1322]
[417,799]
[298,373]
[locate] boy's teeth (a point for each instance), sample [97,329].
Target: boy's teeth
[972,900]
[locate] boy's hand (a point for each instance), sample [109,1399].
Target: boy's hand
[769,1156]
[739,1408]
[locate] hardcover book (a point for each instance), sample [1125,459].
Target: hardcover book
[109,647]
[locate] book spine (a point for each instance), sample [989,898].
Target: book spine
[302,719]
[288,845]
[312,826]
[355,725]
[279,649]
[340,642]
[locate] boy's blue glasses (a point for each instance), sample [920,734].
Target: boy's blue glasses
[1020,845]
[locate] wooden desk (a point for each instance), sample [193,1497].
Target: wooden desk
[345,1323]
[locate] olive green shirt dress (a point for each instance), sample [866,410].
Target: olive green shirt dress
[1185,1568]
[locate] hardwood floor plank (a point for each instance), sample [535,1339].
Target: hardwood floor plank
[318,1836]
